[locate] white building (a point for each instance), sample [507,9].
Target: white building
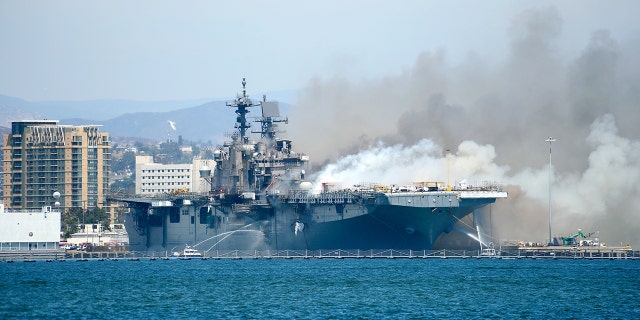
[94,234]
[155,178]
[29,230]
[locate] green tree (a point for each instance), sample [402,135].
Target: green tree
[70,221]
[75,216]
[98,215]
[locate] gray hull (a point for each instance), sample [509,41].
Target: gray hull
[387,227]
[379,221]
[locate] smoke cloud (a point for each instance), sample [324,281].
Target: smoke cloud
[494,117]
[405,165]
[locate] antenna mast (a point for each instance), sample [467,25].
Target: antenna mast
[241,104]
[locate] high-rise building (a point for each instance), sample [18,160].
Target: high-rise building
[42,157]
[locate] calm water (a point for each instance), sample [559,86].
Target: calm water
[326,288]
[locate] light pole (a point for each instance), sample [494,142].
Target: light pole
[448,171]
[550,140]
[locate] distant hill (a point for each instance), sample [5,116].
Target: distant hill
[195,120]
[12,109]
[206,122]
[17,109]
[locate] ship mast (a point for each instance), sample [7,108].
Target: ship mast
[242,103]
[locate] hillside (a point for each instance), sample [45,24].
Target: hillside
[206,122]
[16,109]
[195,120]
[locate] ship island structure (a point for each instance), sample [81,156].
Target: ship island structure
[259,199]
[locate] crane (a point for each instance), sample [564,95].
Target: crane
[571,240]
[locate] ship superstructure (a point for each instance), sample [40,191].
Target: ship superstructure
[260,200]
[247,168]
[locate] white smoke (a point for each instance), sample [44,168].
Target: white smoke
[613,173]
[403,165]
[600,198]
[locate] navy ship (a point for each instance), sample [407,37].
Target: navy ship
[259,199]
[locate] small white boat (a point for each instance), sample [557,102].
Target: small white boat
[190,252]
[488,252]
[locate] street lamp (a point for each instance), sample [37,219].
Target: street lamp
[448,171]
[550,140]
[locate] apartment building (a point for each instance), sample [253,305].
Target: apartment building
[42,157]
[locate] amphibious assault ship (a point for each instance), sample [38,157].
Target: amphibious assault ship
[259,199]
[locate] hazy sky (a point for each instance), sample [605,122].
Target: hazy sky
[158,50]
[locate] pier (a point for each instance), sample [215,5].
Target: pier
[551,253]
[578,252]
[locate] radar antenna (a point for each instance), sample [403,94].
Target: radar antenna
[241,104]
[270,119]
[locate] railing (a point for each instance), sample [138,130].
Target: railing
[50,209]
[117,253]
